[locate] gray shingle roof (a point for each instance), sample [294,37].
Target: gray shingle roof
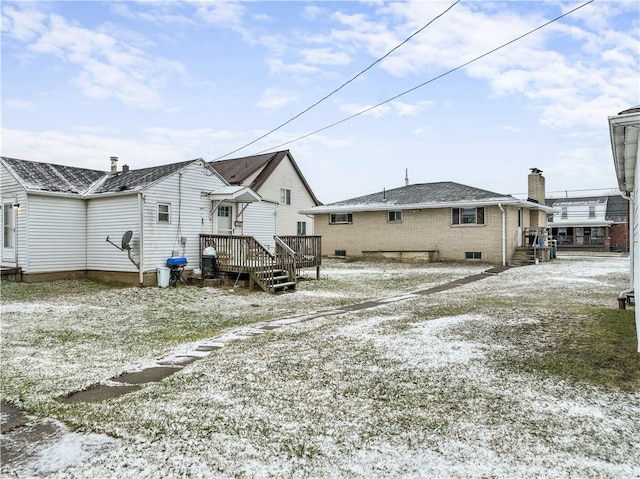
[138,179]
[442,192]
[36,176]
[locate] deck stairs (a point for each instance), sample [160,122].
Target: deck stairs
[524,255]
[274,280]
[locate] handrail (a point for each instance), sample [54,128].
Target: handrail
[284,246]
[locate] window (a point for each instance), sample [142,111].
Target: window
[340,218]
[592,211]
[473,255]
[549,218]
[467,216]
[394,216]
[564,213]
[302,228]
[341,252]
[164,213]
[224,211]
[285,196]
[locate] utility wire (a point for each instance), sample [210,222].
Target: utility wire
[366,110]
[341,86]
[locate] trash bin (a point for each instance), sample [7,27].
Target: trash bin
[208,266]
[163,277]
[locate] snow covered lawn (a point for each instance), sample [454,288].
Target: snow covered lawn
[430,386]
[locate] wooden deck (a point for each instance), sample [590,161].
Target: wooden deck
[271,270]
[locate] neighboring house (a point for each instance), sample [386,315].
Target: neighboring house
[56,219]
[596,223]
[277,178]
[624,129]
[434,221]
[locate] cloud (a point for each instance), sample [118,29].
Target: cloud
[324,56]
[108,66]
[355,108]
[23,25]
[311,12]
[157,12]
[15,104]
[272,99]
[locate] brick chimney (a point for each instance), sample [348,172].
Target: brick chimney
[114,165]
[537,191]
[125,168]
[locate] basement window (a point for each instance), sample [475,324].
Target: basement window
[394,216]
[340,218]
[341,252]
[473,255]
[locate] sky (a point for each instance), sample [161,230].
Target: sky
[162,82]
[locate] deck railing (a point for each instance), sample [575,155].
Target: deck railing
[245,254]
[308,252]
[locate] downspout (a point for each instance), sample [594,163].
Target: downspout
[623,294]
[504,235]
[141,230]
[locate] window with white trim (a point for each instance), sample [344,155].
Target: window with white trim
[473,255]
[467,216]
[564,214]
[164,213]
[592,211]
[302,228]
[285,196]
[340,218]
[394,216]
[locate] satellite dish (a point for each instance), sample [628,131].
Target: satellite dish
[126,238]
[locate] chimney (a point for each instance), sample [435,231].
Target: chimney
[125,168]
[114,165]
[537,191]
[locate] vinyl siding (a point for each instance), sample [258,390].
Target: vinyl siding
[285,176]
[112,217]
[259,222]
[56,235]
[190,216]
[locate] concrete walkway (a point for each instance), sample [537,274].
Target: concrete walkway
[29,444]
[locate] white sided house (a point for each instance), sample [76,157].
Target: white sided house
[61,221]
[624,129]
[278,179]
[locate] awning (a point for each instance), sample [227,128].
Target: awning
[236,194]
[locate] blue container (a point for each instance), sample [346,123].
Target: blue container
[176,261]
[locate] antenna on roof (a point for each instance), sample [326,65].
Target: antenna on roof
[406,177]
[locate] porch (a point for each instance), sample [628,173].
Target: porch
[271,271]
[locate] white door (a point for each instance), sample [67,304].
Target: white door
[8,232]
[225,219]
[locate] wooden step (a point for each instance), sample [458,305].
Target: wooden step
[283,285]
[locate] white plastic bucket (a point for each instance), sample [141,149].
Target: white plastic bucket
[163,277]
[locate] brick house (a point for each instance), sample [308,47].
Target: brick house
[435,221]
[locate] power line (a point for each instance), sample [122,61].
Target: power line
[341,86]
[366,110]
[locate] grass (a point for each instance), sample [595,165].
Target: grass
[516,375]
[595,347]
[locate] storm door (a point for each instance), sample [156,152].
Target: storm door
[225,219]
[8,232]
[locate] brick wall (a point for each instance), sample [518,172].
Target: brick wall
[420,230]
